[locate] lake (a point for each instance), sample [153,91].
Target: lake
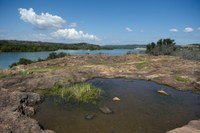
[141,109]
[7,58]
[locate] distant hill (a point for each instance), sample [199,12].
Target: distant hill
[34,46]
[126,46]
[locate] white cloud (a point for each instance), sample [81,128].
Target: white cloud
[42,21]
[188,29]
[72,25]
[198,28]
[73,34]
[128,29]
[173,30]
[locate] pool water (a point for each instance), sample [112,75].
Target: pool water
[140,110]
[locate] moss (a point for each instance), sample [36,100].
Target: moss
[182,79]
[81,92]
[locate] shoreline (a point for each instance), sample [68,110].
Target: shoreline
[18,94]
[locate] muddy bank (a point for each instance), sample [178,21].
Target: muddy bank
[27,80]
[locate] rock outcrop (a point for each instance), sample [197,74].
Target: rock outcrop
[192,127]
[17,97]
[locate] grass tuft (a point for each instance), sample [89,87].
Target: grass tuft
[182,79]
[81,92]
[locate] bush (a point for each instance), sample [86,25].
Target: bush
[162,47]
[55,55]
[22,61]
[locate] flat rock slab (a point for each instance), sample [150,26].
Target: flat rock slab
[105,110]
[192,127]
[89,117]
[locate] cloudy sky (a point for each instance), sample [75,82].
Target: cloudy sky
[100,21]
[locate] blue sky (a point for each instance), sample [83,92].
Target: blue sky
[101,21]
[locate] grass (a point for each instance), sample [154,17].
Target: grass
[6,75]
[54,68]
[182,79]
[141,62]
[46,69]
[80,92]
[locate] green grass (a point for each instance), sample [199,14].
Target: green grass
[142,62]
[54,68]
[80,92]
[6,75]
[46,69]
[182,79]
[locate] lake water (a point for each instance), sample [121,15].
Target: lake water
[140,110]
[7,58]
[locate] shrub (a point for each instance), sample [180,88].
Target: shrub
[22,61]
[162,47]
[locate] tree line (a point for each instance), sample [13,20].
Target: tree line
[32,46]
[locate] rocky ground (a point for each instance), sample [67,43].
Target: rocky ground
[19,85]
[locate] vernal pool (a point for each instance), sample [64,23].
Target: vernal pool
[140,110]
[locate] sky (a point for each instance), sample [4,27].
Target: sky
[100,21]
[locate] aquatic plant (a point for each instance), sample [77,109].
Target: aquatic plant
[80,92]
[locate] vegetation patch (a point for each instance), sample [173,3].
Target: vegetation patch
[182,79]
[80,92]
[24,61]
[142,61]
[6,75]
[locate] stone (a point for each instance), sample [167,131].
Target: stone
[89,117]
[116,99]
[105,110]
[192,127]
[163,92]
[29,111]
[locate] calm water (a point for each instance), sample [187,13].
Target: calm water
[7,58]
[141,109]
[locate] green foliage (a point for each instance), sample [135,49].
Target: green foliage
[55,55]
[162,47]
[22,61]
[81,92]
